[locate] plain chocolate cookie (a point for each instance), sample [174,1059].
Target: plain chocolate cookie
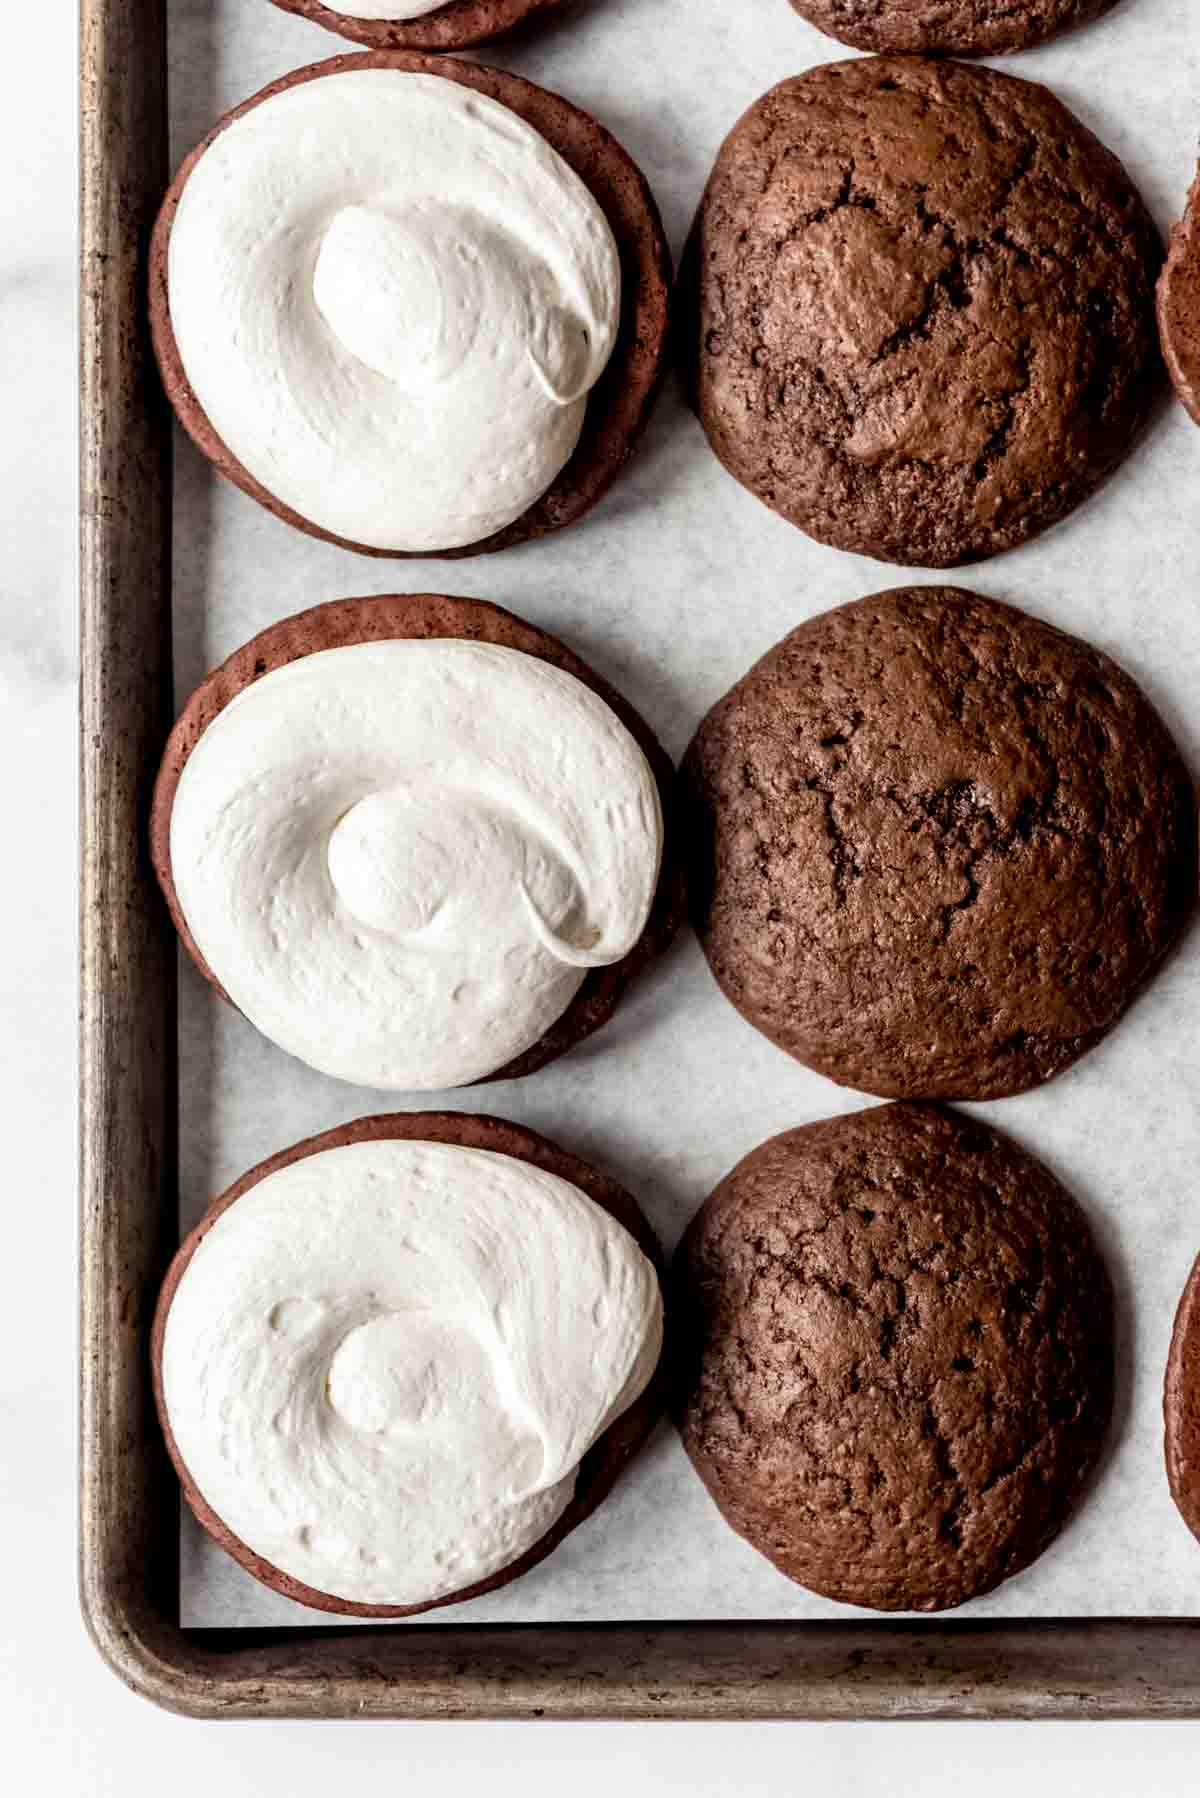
[895,1335]
[1179,305]
[455,26]
[921,308]
[956,27]
[620,403]
[1181,1405]
[420,615]
[936,845]
[604,1461]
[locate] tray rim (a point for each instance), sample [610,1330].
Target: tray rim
[128,1548]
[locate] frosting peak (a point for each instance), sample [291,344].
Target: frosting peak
[403,294]
[391,298]
[398,859]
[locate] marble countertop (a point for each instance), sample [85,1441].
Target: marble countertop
[66,1727]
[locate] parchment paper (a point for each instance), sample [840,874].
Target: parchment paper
[672,587]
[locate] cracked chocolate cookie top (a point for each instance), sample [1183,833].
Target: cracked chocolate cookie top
[936,845]
[922,308]
[1179,305]
[959,27]
[897,1366]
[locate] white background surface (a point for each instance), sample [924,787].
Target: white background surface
[65,1726]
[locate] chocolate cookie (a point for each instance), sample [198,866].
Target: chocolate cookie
[921,302]
[1181,1405]
[897,1345]
[936,845]
[1179,305]
[429,615]
[956,27]
[603,1463]
[618,406]
[455,26]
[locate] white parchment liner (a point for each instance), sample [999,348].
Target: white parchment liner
[671,588]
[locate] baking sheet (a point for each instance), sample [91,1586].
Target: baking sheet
[671,588]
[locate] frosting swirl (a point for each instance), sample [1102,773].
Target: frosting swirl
[401,858]
[384,1362]
[391,298]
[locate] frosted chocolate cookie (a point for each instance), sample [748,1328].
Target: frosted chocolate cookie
[920,308]
[895,1344]
[419,24]
[416,841]
[957,27]
[936,846]
[411,305]
[1179,305]
[398,1363]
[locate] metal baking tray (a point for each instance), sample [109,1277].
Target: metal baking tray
[129,1499]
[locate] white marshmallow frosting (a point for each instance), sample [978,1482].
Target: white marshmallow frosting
[391,298]
[401,858]
[384,1363]
[386,9]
